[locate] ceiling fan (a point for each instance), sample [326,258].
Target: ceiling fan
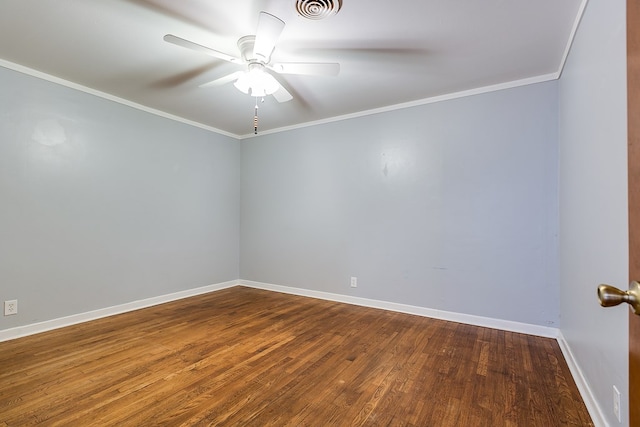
[255,53]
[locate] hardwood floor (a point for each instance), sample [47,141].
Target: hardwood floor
[247,357]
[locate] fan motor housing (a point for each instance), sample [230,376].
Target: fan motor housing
[245,44]
[317,9]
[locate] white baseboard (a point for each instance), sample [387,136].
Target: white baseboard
[469,319]
[48,325]
[597,416]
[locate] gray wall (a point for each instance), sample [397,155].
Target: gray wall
[102,204]
[450,206]
[593,199]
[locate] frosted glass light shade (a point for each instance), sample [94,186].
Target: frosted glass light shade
[257,82]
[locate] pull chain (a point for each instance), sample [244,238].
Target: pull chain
[255,119]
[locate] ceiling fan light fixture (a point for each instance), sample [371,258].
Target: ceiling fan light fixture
[257,82]
[317,9]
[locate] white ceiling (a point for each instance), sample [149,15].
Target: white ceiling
[391,52]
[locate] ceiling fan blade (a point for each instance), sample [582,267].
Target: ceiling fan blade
[223,80]
[267,35]
[282,95]
[307,68]
[170,38]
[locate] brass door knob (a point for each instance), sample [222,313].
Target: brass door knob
[610,296]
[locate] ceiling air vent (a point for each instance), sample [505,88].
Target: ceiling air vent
[317,9]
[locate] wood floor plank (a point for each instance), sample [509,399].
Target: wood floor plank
[248,357]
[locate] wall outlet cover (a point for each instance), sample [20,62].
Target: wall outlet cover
[11,307]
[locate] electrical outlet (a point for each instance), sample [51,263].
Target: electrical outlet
[616,404]
[354,282]
[11,307]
